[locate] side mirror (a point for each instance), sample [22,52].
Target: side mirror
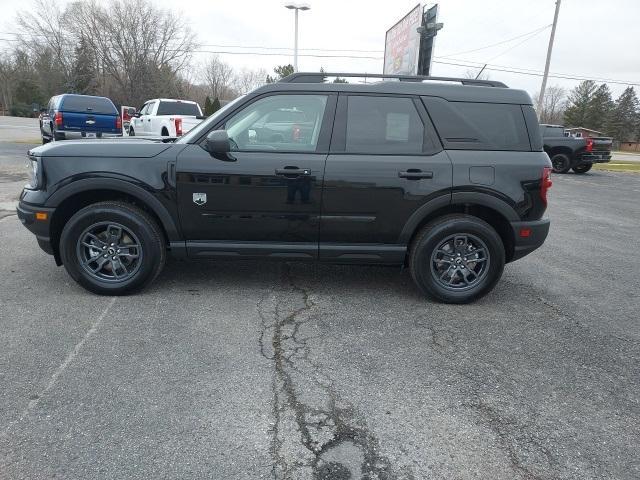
[218,142]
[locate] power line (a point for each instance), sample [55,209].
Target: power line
[437,59]
[540,74]
[537,30]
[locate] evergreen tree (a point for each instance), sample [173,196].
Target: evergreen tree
[281,71]
[599,109]
[577,112]
[208,106]
[84,73]
[623,124]
[215,106]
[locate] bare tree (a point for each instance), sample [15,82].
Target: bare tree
[219,77]
[44,38]
[247,80]
[477,72]
[554,105]
[138,47]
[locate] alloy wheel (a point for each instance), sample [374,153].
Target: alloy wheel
[110,252]
[460,262]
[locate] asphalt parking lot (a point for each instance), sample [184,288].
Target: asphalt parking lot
[262,370]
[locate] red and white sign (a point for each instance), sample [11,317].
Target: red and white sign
[402,45]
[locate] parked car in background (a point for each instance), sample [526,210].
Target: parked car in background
[165,117]
[71,116]
[448,179]
[577,153]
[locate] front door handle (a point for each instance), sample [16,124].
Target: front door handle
[414,174]
[293,171]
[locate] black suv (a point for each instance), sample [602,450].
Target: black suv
[446,176]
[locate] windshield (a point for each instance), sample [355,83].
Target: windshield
[206,125]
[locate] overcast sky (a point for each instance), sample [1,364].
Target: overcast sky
[598,39]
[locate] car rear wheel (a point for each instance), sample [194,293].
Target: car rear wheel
[584,168]
[561,163]
[132,132]
[457,259]
[112,248]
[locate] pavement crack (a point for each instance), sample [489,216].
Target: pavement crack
[315,434]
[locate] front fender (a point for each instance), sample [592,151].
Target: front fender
[118,185]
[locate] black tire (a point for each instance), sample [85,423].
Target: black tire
[165,132]
[45,140]
[429,241]
[134,221]
[561,163]
[132,132]
[584,168]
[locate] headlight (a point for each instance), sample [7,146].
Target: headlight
[34,174]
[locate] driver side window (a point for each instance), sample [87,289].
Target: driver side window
[278,122]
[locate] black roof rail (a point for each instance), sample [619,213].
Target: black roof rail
[320,77]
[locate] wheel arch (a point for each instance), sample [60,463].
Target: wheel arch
[492,210]
[77,195]
[555,150]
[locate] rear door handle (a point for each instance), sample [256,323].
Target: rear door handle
[293,171]
[414,174]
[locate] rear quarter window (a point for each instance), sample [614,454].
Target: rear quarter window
[479,126]
[82,104]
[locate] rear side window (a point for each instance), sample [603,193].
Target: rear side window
[178,108]
[383,125]
[82,104]
[553,132]
[479,126]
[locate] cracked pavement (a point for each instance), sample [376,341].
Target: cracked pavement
[302,371]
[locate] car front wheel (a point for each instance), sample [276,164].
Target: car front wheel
[457,258]
[112,248]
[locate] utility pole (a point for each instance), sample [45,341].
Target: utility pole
[546,66]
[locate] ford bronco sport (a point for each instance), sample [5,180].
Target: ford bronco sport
[445,176]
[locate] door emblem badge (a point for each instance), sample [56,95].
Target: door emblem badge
[199,198]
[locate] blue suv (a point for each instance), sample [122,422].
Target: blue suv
[70,116]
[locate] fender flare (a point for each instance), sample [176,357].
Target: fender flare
[456,198]
[88,184]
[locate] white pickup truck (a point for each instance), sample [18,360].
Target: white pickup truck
[165,117]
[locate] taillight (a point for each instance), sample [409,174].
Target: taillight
[178,127]
[58,119]
[545,183]
[589,144]
[118,122]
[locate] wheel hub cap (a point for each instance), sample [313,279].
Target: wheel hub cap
[460,262]
[109,252]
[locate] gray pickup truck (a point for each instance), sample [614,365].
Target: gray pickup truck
[574,153]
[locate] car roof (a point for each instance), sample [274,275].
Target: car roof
[170,100]
[456,92]
[84,96]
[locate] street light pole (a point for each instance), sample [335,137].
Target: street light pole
[546,66]
[296,7]
[295,46]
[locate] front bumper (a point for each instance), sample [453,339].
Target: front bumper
[39,227]
[603,157]
[528,236]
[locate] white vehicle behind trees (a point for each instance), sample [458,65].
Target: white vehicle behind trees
[165,117]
